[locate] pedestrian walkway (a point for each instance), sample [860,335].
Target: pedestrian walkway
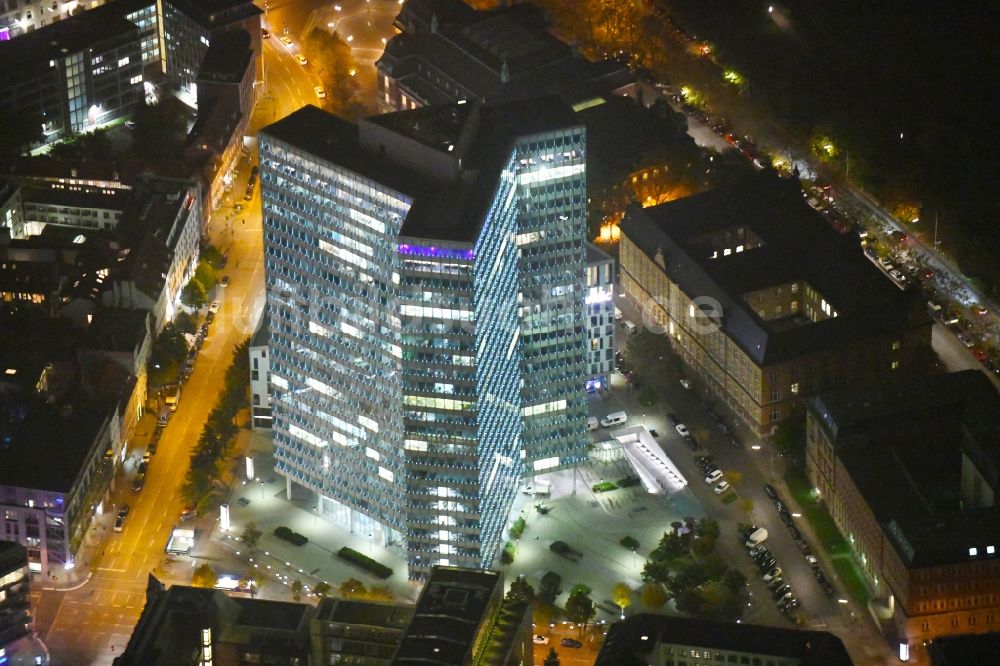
[263,501]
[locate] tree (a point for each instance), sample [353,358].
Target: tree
[20,130]
[332,59]
[321,588]
[297,589]
[580,608]
[352,587]
[204,576]
[702,546]
[551,659]
[656,571]
[549,588]
[205,274]
[734,477]
[654,595]
[251,536]
[708,527]
[186,323]
[194,295]
[520,592]
[734,580]
[213,257]
[621,594]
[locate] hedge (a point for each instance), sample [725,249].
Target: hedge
[291,537]
[630,542]
[354,557]
[603,487]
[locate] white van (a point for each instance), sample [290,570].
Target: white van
[618,314]
[592,423]
[630,326]
[613,419]
[758,537]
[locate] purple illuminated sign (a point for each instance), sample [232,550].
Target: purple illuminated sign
[4,34]
[436,252]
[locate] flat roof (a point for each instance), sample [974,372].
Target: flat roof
[902,445]
[70,35]
[450,209]
[366,613]
[797,245]
[227,57]
[448,615]
[115,199]
[280,615]
[632,642]
[116,330]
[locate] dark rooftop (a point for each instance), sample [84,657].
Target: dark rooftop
[967,650]
[912,433]
[71,35]
[214,14]
[632,642]
[501,54]
[448,616]
[481,137]
[227,58]
[280,615]
[12,556]
[797,245]
[112,199]
[365,613]
[116,330]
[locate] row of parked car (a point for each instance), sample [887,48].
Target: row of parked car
[771,573]
[787,519]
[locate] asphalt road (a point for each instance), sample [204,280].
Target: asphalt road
[92,624]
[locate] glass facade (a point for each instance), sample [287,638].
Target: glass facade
[552,189]
[397,363]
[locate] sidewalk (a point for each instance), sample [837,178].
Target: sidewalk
[102,526]
[263,502]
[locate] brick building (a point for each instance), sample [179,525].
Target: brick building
[908,472]
[763,299]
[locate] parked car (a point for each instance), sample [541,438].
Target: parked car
[123,510]
[772,574]
[570,643]
[781,591]
[538,639]
[187,514]
[224,281]
[721,488]
[771,492]
[119,523]
[714,477]
[139,482]
[686,383]
[682,430]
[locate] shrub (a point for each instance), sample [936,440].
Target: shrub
[628,482]
[517,529]
[580,588]
[291,537]
[629,543]
[507,554]
[603,487]
[360,559]
[560,547]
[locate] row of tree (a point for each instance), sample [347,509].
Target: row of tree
[208,457]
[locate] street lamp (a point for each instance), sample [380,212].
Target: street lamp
[224,517]
[250,470]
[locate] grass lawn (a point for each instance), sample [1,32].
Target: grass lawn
[851,579]
[817,515]
[729,498]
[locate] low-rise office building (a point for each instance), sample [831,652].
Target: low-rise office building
[76,208]
[351,631]
[659,640]
[764,300]
[909,474]
[190,625]
[74,75]
[15,606]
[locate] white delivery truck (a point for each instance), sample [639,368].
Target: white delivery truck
[172,396]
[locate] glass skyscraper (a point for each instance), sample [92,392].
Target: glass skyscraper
[425,275]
